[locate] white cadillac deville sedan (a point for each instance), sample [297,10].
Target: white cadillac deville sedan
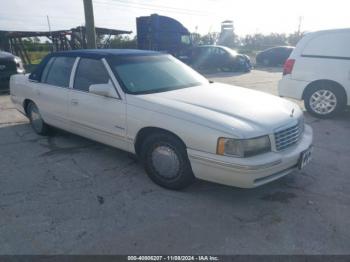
[179,124]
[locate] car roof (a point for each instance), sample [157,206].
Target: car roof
[232,51]
[280,47]
[219,46]
[100,53]
[90,53]
[339,30]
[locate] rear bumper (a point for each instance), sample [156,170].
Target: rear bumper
[249,172]
[288,87]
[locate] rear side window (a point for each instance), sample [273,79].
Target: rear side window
[90,72]
[46,70]
[335,44]
[58,70]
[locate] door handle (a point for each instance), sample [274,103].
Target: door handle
[74,102]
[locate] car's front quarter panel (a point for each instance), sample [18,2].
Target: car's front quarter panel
[201,143]
[194,135]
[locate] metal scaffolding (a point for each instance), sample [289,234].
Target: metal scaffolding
[75,38]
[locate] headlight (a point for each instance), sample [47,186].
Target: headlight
[243,147]
[19,65]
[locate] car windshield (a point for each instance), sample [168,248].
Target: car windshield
[231,51]
[154,73]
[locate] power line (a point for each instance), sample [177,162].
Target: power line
[162,6]
[152,8]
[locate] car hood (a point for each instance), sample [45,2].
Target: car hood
[6,56]
[235,110]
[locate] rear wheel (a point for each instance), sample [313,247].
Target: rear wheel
[166,161]
[36,121]
[325,100]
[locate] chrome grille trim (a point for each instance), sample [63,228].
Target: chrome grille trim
[288,137]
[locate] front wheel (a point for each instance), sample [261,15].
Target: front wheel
[324,101]
[166,162]
[36,121]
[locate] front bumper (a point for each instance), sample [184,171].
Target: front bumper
[249,172]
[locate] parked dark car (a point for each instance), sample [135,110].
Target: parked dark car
[275,56]
[9,65]
[212,57]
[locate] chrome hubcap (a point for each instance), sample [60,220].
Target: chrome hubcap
[323,102]
[36,119]
[165,161]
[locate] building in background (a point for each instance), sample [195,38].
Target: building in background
[227,35]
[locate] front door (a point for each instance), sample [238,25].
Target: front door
[99,117]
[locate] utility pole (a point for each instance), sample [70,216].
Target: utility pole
[299,25]
[49,25]
[89,24]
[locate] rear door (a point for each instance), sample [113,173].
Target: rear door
[95,116]
[223,58]
[202,58]
[53,90]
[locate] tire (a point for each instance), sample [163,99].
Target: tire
[166,162]
[36,121]
[331,100]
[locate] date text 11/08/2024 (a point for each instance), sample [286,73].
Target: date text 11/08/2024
[173,258]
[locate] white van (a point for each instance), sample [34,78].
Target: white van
[318,72]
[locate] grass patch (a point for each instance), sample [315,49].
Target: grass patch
[36,56]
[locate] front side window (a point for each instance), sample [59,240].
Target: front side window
[220,51]
[229,50]
[90,72]
[156,73]
[58,71]
[334,44]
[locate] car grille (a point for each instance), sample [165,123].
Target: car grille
[289,136]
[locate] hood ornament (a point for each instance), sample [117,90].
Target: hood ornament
[292,113]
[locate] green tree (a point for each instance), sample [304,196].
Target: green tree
[294,38]
[121,42]
[209,39]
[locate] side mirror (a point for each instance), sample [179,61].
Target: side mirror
[103,90]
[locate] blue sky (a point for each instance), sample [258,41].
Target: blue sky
[249,16]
